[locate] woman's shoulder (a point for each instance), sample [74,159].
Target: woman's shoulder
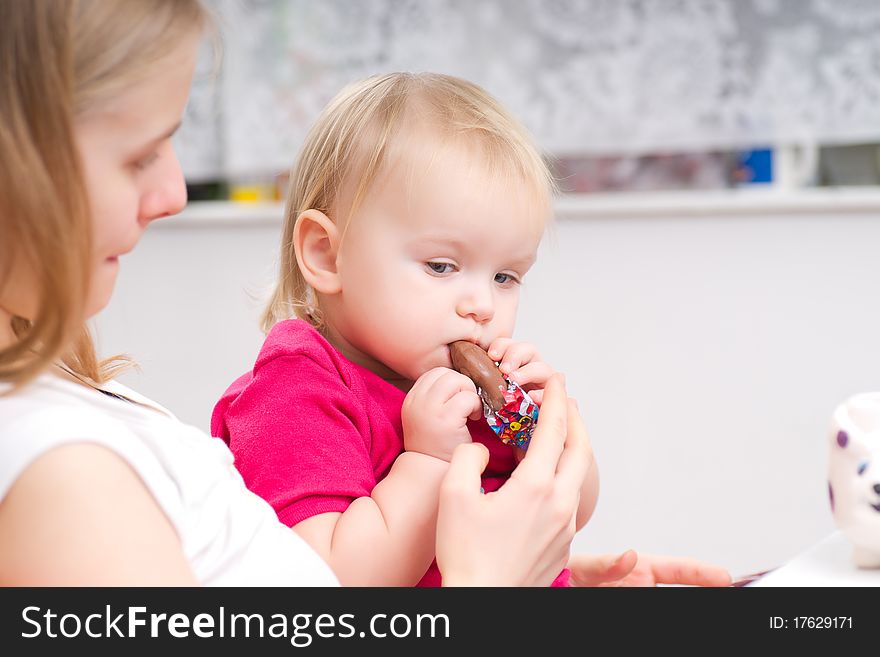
[50,402]
[49,413]
[87,499]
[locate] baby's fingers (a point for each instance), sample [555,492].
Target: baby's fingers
[516,355]
[450,383]
[464,404]
[426,380]
[498,348]
[536,373]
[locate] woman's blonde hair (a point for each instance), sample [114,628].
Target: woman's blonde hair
[350,144]
[60,59]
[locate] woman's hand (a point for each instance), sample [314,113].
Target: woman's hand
[519,535]
[632,569]
[521,362]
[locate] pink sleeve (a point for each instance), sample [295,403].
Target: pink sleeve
[300,438]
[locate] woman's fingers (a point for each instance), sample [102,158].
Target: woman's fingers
[462,481]
[578,454]
[549,439]
[594,570]
[685,571]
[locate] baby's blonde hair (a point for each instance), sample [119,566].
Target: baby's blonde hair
[60,59]
[351,143]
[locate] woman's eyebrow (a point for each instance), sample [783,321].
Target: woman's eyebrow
[166,135]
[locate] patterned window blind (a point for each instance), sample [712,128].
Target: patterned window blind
[587,77]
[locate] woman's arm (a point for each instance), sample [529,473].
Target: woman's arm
[80,516]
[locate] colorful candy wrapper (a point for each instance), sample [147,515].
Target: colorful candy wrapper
[515,422]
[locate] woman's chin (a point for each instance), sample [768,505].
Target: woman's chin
[102,288]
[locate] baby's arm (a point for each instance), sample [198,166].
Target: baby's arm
[521,363]
[388,537]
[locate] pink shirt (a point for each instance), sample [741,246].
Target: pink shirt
[311,431]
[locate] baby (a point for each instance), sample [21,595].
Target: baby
[414,213]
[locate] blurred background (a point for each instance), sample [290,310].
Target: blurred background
[707,286]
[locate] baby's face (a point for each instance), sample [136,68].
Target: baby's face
[436,253]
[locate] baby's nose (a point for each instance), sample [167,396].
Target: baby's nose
[479,305]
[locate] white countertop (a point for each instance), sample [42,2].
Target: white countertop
[750,201]
[827,563]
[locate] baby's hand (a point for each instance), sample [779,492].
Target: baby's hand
[436,410]
[521,363]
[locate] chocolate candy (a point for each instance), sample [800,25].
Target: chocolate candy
[508,409]
[470,359]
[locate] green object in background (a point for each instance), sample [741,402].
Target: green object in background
[216,190]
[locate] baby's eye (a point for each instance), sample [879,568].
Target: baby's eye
[440,267]
[506,279]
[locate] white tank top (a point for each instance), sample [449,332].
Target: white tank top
[230,536]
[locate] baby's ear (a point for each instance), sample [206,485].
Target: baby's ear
[316,242]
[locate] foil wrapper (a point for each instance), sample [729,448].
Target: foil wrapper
[515,422]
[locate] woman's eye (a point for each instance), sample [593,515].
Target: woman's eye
[440,267]
[145,162]
[505,279]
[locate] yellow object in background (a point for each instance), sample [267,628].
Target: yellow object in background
[253,192]
[260,190]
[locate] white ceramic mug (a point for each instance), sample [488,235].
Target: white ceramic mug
[854,475]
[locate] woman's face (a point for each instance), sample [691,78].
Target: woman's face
[131,171]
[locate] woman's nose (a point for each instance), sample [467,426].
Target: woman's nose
[166,192]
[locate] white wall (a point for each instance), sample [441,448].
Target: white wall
[707,352]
